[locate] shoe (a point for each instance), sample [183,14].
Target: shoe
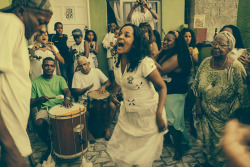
[107,135]
[203,165]
[45,156]
[177,156]
[91,138]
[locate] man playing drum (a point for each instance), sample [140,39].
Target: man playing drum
[88,79]
[44,90]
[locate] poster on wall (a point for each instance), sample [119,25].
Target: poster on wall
[199,21]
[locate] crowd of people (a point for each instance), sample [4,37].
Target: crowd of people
[163,87]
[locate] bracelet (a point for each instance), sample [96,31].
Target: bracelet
[113,95]
[68,98]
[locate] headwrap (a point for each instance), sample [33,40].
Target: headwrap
[34,4]
[230,38]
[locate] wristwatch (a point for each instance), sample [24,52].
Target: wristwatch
[68,98]
[149,8]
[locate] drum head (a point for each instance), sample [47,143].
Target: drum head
[94,94]
[59,110]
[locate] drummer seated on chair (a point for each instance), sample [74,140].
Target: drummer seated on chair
[88,79]
[44,90]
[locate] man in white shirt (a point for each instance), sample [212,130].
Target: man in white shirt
[19,22]
[146,14]
[108,44]
[88,79]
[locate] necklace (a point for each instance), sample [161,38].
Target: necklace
[213,83]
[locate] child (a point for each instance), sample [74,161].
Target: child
[60,41]
[80,49]
[41,50]
[108,44]
[91,40]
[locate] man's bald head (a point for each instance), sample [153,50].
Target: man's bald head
[83,64]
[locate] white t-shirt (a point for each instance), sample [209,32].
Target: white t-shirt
[95,77]
[15,84]
[80,52]
[106,43]
[139,17]
[36,65]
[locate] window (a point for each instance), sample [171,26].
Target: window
[121,9]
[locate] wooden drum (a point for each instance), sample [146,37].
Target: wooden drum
[69,131]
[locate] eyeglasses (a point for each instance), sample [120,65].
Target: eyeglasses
[220,45]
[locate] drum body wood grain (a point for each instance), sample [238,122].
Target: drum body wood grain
[69,131]
[98,108]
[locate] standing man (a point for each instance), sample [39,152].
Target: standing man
[147,14]
[19,22]
[109,44]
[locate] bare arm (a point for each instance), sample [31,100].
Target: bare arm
[96,48]
[79,92]
[56,54]
[113,96]
[132,11]
[34,102]
[86,48]
[67,95]
[168,66]
[10,153]
[155,16]
[156,79]
[154,49]
[198,107]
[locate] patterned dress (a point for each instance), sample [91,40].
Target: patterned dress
[136,140]
[222,92]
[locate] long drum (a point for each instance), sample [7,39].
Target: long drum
[69,131]
[98,108]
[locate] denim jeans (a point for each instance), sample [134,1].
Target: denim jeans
[67,72]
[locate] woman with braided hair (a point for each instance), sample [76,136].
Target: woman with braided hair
[174,61]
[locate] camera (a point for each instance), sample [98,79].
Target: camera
[43,45]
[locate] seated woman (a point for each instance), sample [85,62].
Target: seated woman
[174,60]
[149,34]
[40,51]
[220,89]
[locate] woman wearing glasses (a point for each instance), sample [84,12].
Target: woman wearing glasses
[220,89]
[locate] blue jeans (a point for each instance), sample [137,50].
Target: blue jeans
[67,72]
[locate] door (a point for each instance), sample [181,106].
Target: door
[72,14]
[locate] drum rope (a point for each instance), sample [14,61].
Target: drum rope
[80,128]
[72,122]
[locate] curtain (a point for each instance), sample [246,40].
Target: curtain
[121,18]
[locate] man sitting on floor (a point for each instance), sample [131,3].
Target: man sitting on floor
[88,79]
[43,88]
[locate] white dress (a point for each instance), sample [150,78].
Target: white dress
[136,140]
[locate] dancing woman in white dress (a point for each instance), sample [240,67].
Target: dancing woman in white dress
[137,139]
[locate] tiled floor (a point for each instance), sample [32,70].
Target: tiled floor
[96,154]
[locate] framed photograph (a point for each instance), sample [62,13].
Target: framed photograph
[199,21]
